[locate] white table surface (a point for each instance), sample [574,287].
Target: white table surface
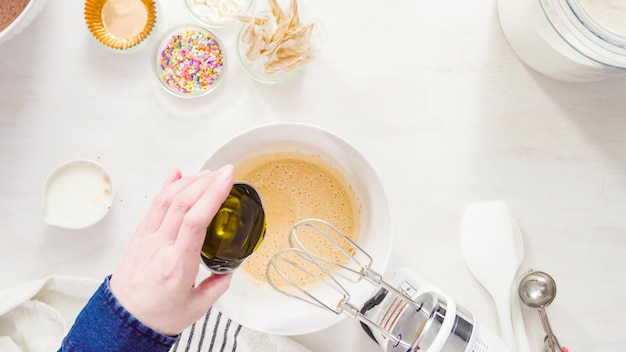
[430,92]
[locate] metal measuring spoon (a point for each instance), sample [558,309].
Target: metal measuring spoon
[537,290]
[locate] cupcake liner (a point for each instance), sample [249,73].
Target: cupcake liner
[93,18]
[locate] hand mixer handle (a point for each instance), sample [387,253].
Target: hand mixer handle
[493,341]
[354,312]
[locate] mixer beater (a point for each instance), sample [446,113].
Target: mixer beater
[407,314]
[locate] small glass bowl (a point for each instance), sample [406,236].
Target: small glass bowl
[201,55]
[257,68]
[95,23]
[218,13]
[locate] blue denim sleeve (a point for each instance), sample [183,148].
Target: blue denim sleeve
[104,325]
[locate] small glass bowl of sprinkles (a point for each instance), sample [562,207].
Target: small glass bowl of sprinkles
[218,13]
[189,61]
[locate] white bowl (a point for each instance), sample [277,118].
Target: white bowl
[258,306]
[77,195]
[32,9]
[211,15]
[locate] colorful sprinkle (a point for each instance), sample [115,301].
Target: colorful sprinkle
[191,61]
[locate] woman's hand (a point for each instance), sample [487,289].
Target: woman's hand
[155,279]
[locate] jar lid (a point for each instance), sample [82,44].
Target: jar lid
[588,32]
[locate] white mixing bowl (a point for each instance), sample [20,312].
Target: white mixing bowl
[261,308]
[32,9]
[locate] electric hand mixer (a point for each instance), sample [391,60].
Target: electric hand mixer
[407,314]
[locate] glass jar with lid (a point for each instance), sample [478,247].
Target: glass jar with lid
[568,40]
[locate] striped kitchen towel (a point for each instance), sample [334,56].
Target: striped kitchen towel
[217,333]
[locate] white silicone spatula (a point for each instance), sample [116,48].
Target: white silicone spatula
[489,248]
[519,329]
